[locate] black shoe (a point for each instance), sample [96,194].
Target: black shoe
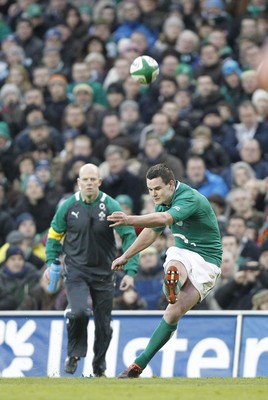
[70,364]
[99,374]
[133,371]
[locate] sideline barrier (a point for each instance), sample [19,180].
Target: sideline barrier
[226,344]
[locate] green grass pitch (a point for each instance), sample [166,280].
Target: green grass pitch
[134,389]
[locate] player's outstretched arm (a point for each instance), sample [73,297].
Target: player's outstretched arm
[153,220]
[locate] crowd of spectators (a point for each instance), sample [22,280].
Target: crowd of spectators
[67,98]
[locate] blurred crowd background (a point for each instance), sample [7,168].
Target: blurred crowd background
[67,98]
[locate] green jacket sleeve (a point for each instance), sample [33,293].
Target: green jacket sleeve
[56,233]
[128,236]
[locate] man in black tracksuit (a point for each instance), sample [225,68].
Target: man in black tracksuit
[88,251]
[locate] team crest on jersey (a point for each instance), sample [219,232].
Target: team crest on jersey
[102,216]
[102,213]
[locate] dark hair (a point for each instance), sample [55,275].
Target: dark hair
[236,216]
[161,171]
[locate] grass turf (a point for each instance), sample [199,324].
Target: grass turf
[133,389]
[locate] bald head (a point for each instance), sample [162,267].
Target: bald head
[89,182]
[88,169]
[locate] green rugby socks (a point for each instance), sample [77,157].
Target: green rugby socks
[160,337]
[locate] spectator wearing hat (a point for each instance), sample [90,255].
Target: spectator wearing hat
[80,73]
[36,15]
[231,87]
[238,292]
[53,38]
[97,66]
[30,43]
[11,109]
[83,96]
[52,60]
[14,238]
[17,277]
[17,238]
[53,190]
[33,111]
[213,154]
[36,134]
[7,152]
[33,201]
[26,225]
[184,77]
[210,63]
[126,203]
[115,96]
[59,37]
[213,13]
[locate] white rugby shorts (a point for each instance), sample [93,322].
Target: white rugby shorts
[202,274]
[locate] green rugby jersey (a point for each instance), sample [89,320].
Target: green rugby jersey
[195,225]
[88,241]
